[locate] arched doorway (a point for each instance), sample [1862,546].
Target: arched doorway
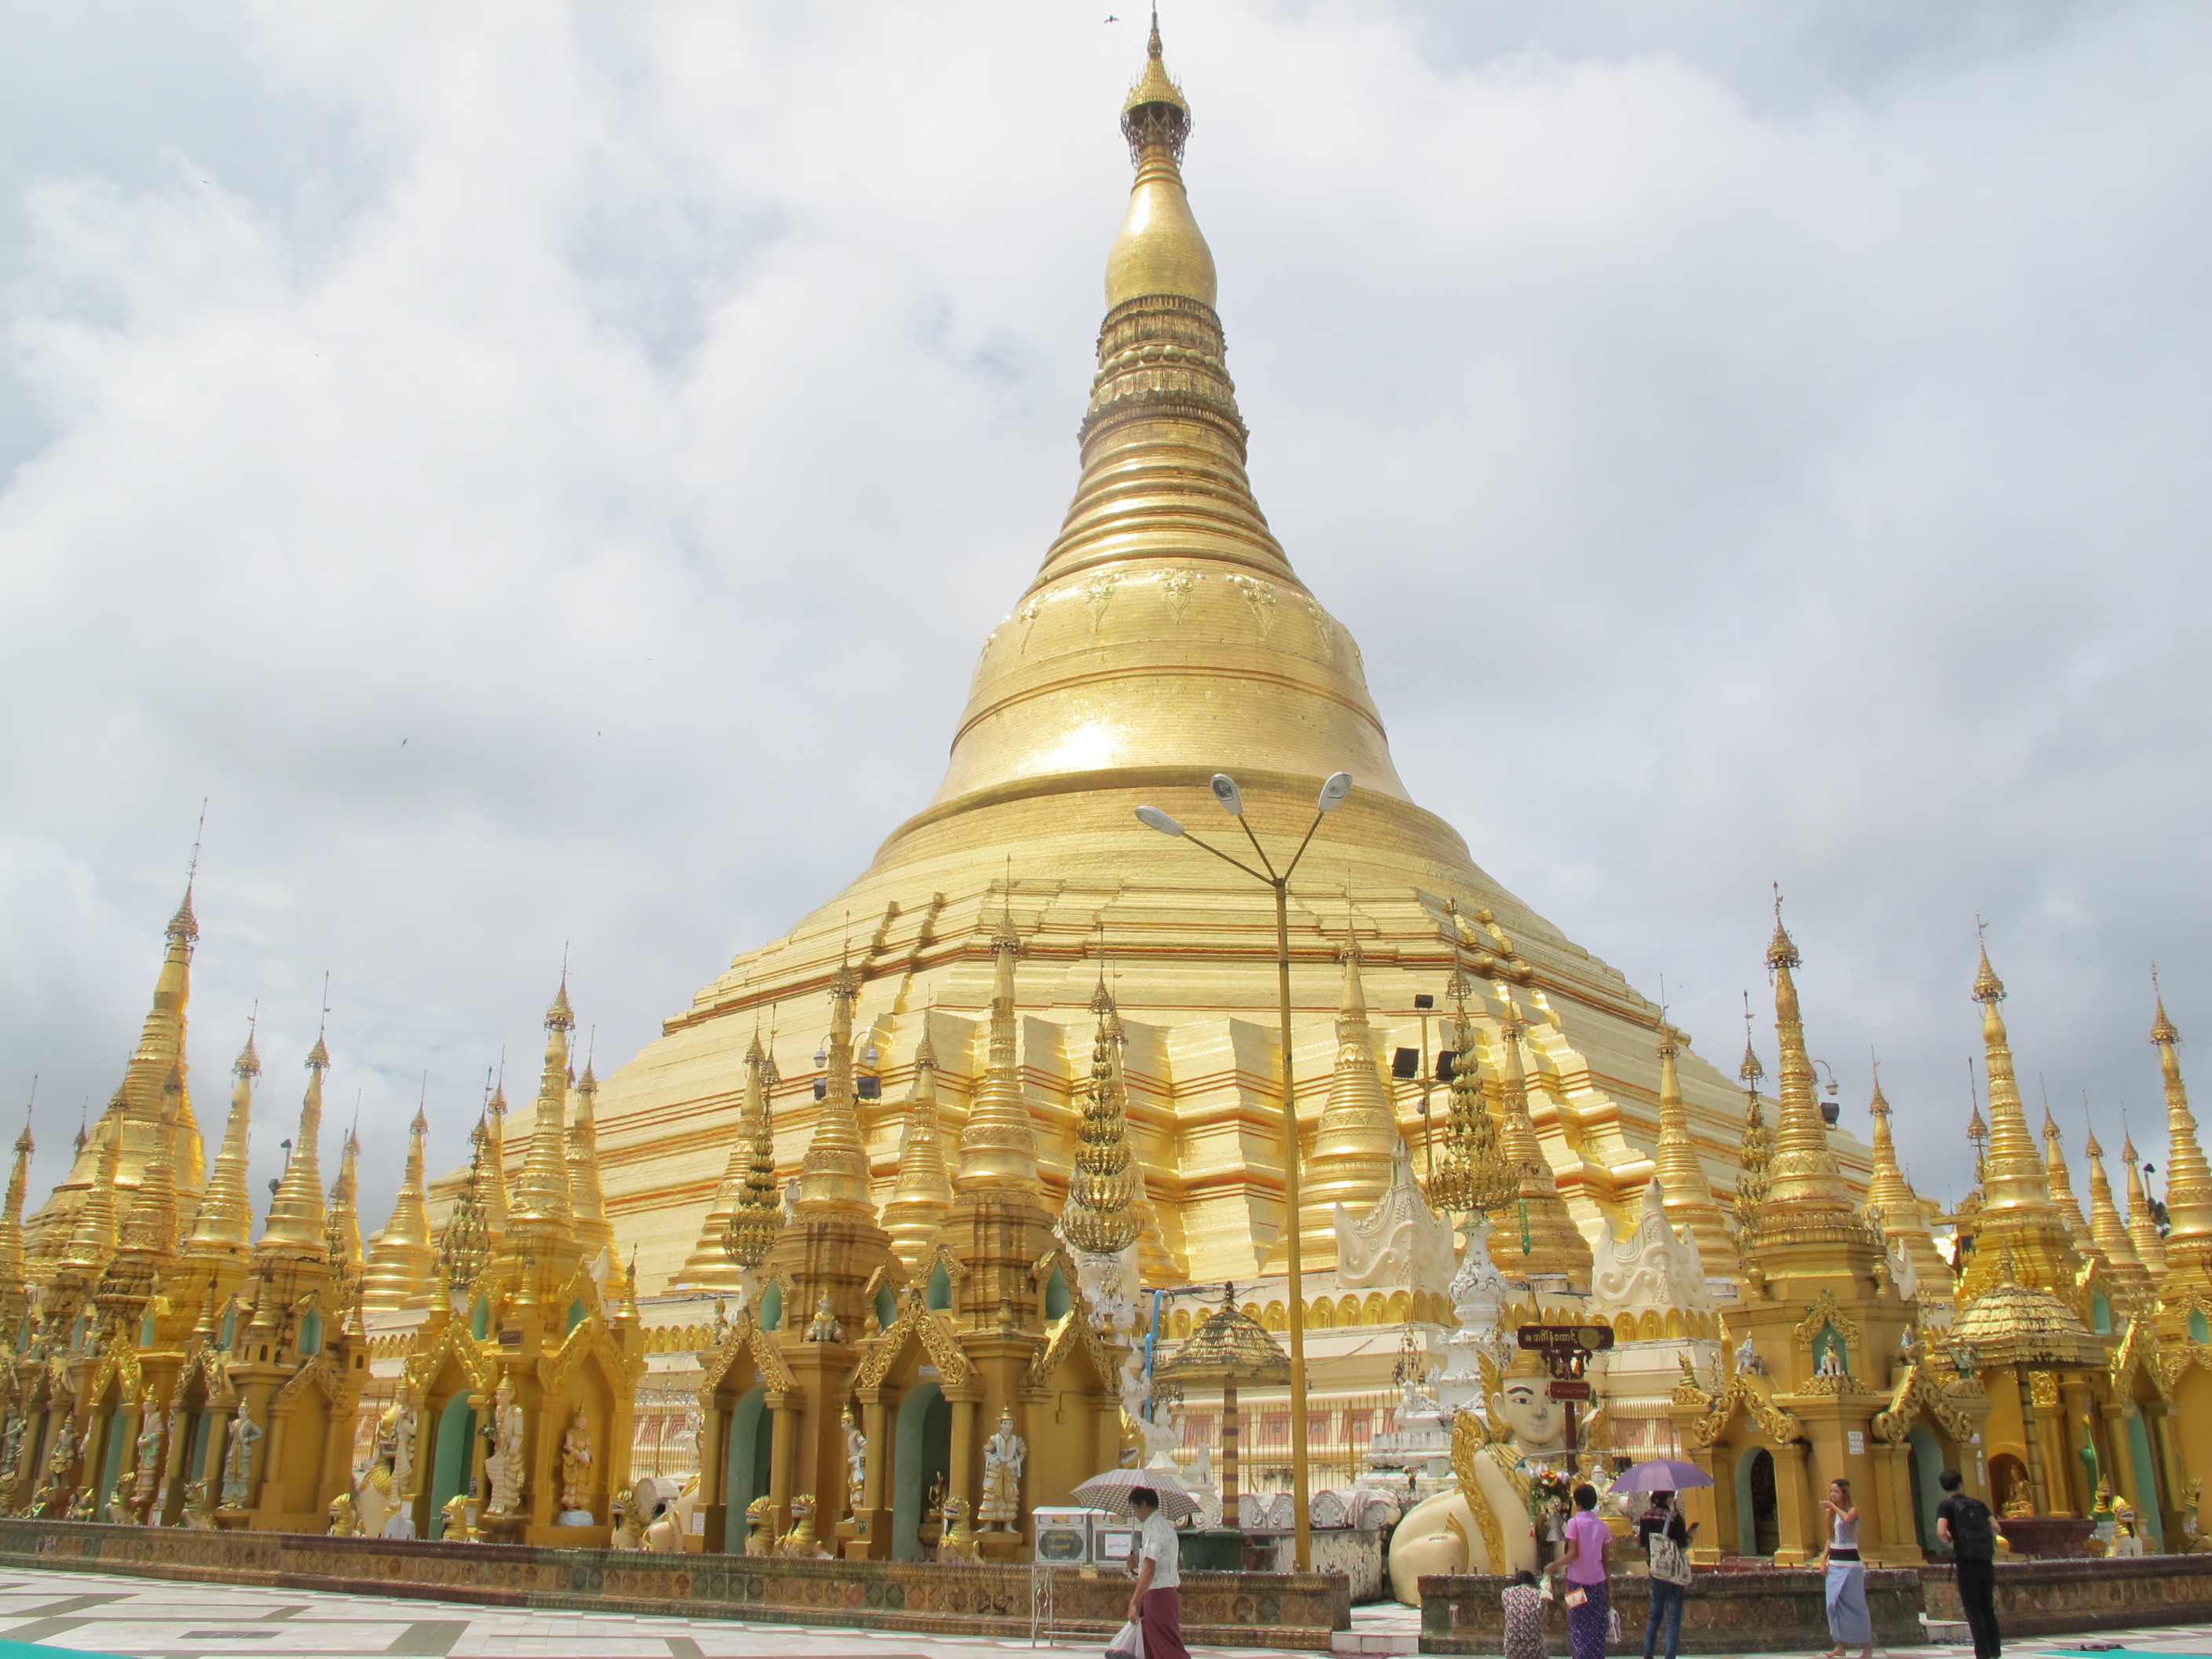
[1758,1517]
[922,1450]
[1924,1463]
[752,1427]
[449,1469]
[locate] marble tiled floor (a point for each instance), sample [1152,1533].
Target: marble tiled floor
[89,1614]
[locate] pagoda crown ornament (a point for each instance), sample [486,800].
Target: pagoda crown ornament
[1101,1214]
[2188,1179]
[834,1175]
[998,1145]
[296,1214]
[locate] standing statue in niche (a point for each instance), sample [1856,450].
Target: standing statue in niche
[402,1423]
[1003,1453]
[576,1469]
[856,1464]
[503,1468]
[152,1436]
[238,1459]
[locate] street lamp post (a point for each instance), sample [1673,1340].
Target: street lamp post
[1232,802]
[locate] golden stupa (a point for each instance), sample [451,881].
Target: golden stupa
[1165,637]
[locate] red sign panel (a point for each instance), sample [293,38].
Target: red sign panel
[1568,1388]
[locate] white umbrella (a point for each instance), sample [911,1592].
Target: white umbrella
[1111,1490]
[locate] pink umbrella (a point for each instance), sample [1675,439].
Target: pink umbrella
[1662,1474]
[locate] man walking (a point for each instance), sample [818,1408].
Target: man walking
[1966,1526]
[1156,1605]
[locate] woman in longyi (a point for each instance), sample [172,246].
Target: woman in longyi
[1450,1534]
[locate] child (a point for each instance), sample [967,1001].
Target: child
[1524,1617]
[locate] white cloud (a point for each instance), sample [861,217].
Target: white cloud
[645,415]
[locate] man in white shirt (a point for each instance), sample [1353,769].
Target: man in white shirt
[1156,1604]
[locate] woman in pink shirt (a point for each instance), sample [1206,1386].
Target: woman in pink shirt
[1584,1564]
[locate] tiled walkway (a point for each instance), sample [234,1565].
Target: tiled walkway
[87,1612]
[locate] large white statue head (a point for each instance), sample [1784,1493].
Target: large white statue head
[1524,1403]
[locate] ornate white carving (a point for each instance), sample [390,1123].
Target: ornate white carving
[1653,1267]
[1399,1241]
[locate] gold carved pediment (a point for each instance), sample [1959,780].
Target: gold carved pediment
[917,1323]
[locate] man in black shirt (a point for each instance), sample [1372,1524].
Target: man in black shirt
[1966,1526]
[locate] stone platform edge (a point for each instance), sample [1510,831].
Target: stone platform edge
[1220,1609]
[2061,1597]
[1773,1611]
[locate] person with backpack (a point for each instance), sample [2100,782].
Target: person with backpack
[1965,1523]
[1665,1538]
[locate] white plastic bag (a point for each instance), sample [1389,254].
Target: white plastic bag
[1129,1644]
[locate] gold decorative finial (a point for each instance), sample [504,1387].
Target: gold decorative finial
[1988,987]
[1782,951]
[1751,1071]
[2163,1031]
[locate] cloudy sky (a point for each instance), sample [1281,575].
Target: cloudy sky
[544,472]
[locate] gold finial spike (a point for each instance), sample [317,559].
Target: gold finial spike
[2188,1240]
[1355,1140]
[1903,1219]
[998,1144]
[1686,1189]
[224,1225]
[2108,1230]
[1751,1072]
[297,1216]
[2012,1173]
[2142,1222]
[538,1213]
[834,1175]
[588,1203]
[710,1266]
[1802,1176]
[922,1195]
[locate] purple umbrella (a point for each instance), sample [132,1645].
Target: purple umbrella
[1662,1474]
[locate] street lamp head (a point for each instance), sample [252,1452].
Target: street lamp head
[1152,818]
[1230,796]
[1333,791]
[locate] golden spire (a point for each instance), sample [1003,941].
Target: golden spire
[1160,250]
[998,1146]
[1758,1148]
[401,1259]
[1684,1185]
[2017,1216]
[296,1215]
[2013,1175]
[492,1201]
[587,1200]
[2130,1276]
[1802,1179]
[1101,1215]
[923,1196]
[343,1228]
[92,1242]
[1903,1219]
[708,1267]
[1164,576]
[2188,1179]
[2143,1225]
[1535,1236]
[12,1235]
[225,1222]
[834,1175]
[1356,1138]
[158,1059]
[539,1212]
[2061,1180]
